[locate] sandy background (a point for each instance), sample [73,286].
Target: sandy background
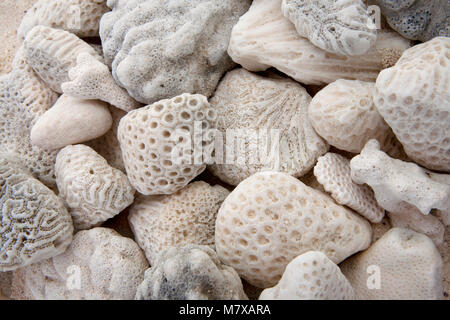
[11,13]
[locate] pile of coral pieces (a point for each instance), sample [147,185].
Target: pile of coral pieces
[111,184]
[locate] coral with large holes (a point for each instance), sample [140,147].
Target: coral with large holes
[167,144]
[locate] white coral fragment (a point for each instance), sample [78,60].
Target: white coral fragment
[398,184]
[344,114]
[333,172]
[414,99]
[52,53]
[337,26]
[310,276]
[264,126]
[34,223]
[167,144]
[185,217]
[91,79]
[264,38]
[81,17]
[271,217]
[401,265]
[110,267]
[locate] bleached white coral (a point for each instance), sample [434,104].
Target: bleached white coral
[264,38]
[160,49]
[337,26]
[417,109]
[93,190]
[310,276]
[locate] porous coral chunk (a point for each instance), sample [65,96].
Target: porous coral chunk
[310,276]
[167,144]
[271,217]
[191,272]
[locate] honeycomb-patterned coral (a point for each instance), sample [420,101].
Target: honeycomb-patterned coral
[52,53]
[23,99]
[310,276]
[337,26]
[34,223]
[344,114]
[167,144]
[81,17]
[92,189]
[334,173]
[251,109]
[413,98]
[264,38]
[271,217]
[110,267]
[187,216]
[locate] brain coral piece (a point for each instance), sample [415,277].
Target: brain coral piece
[417,109]
[264,38]
[108,145]
[91,79]
[333,172]
[248,104]
[405,264]
[23,99]
[69,121]
[52,53]
[165,48]
[417,19]
[344,114]
[397,184]
[271,217]
[187,216]
[92,189]
[81,17]
[191,272]
[310,276]
[34,223]
[341,27]
[111,268]
[165,145]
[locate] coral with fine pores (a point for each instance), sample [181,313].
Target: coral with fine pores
[271,217]
[334,173]
[23,99]
[71,121]
[337,26]
[81,17]
[98,265]
[413,98]
[91,79]
[402,264]
[161,49]
[185,217]
[52,53]
[397,184]
[344,114]
[34,223]
[191,272]
[90,187]
[264,38]
[167,144]
[417,19]
[310,276]
[264,126]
